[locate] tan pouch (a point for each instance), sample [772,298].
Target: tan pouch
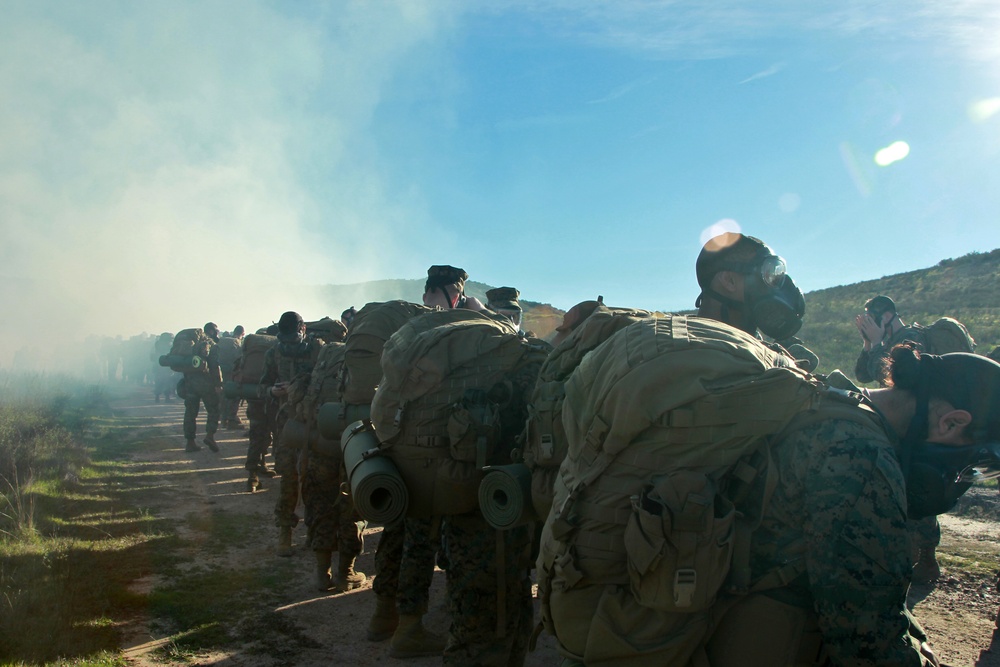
[679,543]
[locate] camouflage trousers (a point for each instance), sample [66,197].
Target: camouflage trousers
[197,391]
[489,592]
[330,515]
[261,415]
[404,563]
[288,462]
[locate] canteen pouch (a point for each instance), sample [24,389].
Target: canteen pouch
[679,543]
[473,428]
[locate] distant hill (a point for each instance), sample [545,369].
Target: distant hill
[967,288]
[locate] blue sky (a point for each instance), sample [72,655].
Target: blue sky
[163,163]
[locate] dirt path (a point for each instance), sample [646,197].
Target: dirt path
[958,613]
[203,483]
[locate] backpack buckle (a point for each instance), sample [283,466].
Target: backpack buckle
[548,447]
[685,582]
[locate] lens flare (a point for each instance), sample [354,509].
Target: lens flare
[894,152]
[982,110]
[720,227]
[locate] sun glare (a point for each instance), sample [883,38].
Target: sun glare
[982,110]
[894,152]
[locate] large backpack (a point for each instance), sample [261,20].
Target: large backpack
[545,442]
[306,394]
[247,373]
[189,352]
[667,425]
[948,335]
[452,401]
[230,351]
[372,327]
[327,328]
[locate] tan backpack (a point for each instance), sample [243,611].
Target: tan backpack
[323,387]
[250,368]
[361,372]
[452,401]
[328,329]
[371,328]
[545,442]
[189,352]
[948,335]
[667,423]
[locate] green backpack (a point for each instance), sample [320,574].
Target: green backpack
[545,440]
[248,371]
[372,327]
[189,352]
[948,335]
[451,402]
[323,387]
[667,423]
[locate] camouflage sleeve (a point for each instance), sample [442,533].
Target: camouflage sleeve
[214,367]
[270,374]
[857,546]
[866,369]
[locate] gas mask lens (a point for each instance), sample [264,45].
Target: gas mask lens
[772,271]
[987,465]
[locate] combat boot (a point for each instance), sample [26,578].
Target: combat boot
[253,483]
[191,446]
[412,640]
[323,560]
[385,619]
[265,471]
[926,570]
[347,578]
[285,541]
[210,442]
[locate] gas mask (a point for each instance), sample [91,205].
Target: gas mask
[937,475]
[292,343]
[772,303]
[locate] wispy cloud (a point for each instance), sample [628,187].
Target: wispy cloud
[770,71]
[622,91]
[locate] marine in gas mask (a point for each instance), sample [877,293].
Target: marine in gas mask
[745,284]
[946,412]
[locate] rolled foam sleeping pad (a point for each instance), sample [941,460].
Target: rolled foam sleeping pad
[332,418]
[193,361]
[505,496]
[378,490]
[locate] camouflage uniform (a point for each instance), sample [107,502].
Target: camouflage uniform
[202,388]
[404,562]
[870,363]
[926,532]
[489,592]
[838,517]
[489,583]
[330,515]
[261,413]
[284,363]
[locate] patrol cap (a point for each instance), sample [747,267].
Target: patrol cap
[441,275]
[504,298]
[726,248]
[289,322]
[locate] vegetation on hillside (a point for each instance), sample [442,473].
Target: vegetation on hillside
[967,288]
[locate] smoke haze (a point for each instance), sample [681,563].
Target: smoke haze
[167,164]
